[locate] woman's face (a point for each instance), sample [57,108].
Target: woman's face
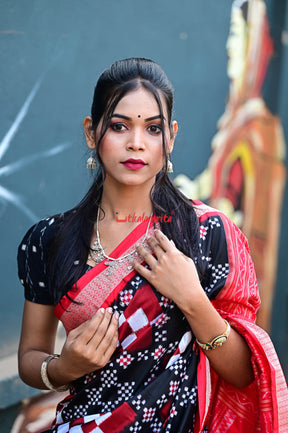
[131,149]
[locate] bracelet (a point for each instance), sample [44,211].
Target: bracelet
[44,375]
[217,341]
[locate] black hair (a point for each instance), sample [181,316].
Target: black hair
[244,9]
[73,240]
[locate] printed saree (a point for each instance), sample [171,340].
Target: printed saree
[158,380]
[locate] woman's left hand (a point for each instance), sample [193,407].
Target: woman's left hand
[172,273]
[175,276]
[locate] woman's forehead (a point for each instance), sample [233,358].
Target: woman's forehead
[141,99]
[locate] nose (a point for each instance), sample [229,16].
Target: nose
[136,140]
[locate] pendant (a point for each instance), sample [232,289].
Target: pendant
[97,248]
[112,264]
[97,253]
[100,257]
[97,258]
[130,260]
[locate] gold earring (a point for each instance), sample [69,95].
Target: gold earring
[91,162]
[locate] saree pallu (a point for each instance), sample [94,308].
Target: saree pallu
[158,380]
[263,405]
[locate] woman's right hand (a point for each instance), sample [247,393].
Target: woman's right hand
[87,348]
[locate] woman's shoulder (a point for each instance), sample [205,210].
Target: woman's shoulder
[204,211]
[41,233]
[32,257]
[214,217]
[216,227]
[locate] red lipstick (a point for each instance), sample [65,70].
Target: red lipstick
[134,164]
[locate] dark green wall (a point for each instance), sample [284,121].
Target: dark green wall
[51,54]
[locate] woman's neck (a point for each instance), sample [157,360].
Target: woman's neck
[125,202]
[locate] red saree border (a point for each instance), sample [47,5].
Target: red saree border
[124,245]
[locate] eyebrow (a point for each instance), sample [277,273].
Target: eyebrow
[122,116]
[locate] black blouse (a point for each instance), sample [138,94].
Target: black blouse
[32,259]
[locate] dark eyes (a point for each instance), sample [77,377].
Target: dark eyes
[120,127]
[155,129]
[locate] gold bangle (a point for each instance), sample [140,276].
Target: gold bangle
[44,375]
[217,341]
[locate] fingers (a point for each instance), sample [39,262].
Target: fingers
[159,245]
[106,331]
[156,248]
[103,343]
[146,255]
[146,273]
[91,345]
[94,328]
[108,344]
[86,330]
[164,242]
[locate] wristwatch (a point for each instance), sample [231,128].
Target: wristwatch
[217,341]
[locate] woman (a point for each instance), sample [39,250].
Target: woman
[142,300]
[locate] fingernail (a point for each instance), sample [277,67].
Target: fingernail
[101,310]
[116,316]
[110,310]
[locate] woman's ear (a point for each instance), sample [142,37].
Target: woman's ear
[173,133]
[89,132]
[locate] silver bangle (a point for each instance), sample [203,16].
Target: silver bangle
[44,375]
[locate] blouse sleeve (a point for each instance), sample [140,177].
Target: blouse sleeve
[229,277]
[213,253]
[32,261]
